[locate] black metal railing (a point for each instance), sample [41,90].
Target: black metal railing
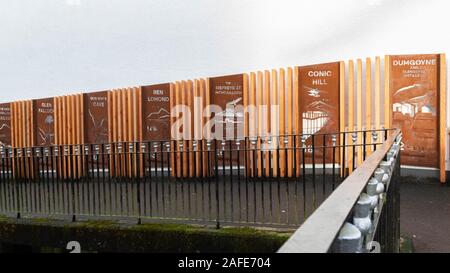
[270,181]
[362,214]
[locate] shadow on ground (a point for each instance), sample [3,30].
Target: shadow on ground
[425,214]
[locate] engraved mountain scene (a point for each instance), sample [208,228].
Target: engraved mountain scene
[316,116]
[45,133]
[415,112]
[157,121]
[99,126]
[230,115]
[5,131]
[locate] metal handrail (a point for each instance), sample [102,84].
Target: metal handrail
[320,230]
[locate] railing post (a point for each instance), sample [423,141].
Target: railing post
[349,240]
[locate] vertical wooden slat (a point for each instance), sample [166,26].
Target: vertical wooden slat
[207,101]
[190,105]
[442,116]
[198,125]
[111,121]
[266,120]
[129,113]
[245,91]
[32,136]
[297,119]
[253,120]
[377,97]
[368,116]
[70,132]
[341,112]
[177,133]
[185,155]
[351,87]
[387,93]
[282,132]
[172,102]
[359,110]
[261,121]
[64,137]
[274,121]
[290,118]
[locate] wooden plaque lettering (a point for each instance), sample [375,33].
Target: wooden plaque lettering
[227,93]
[414,83]
[44,125]
[5,124]
[156,112]
[96,117]
[319,106]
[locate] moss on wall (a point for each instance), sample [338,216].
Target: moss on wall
[109,236]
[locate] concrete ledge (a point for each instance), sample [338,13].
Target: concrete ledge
[419,172]
[106,236]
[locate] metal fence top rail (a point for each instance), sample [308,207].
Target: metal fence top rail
[318,232]
[166,142]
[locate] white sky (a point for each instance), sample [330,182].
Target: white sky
[56,47]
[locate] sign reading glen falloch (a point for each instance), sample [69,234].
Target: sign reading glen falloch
[96,117]
[319,102]
[44,117]
[5,124]
[156,112]
[414,85]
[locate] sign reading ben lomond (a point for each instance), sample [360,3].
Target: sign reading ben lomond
[156,112]
[5,124]
[319,103]
[414,85]
[44,117]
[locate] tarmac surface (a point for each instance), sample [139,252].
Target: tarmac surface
[425,214]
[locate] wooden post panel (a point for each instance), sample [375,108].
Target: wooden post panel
[319,94]
[414,89]
[5,124]
[96,120]
[227,93]
[44,118]
[156,112]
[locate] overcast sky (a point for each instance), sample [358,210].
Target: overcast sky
[56,47]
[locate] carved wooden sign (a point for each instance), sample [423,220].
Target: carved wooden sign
[156,112]
[44,122]
[5,124]
[319,104]
[96,117]
[414,84]
[227,93]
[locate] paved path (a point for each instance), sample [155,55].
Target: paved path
[425,215]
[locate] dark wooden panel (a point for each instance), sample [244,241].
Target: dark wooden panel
[319,105]
[227,92]
[5,124]
[156,112]
[414,82]
[96,117]
[44,122]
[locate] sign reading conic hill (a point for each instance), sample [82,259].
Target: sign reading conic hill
[96,117]
[44,122]
[319,102]
[5,124]
[414,87]
[156,112]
